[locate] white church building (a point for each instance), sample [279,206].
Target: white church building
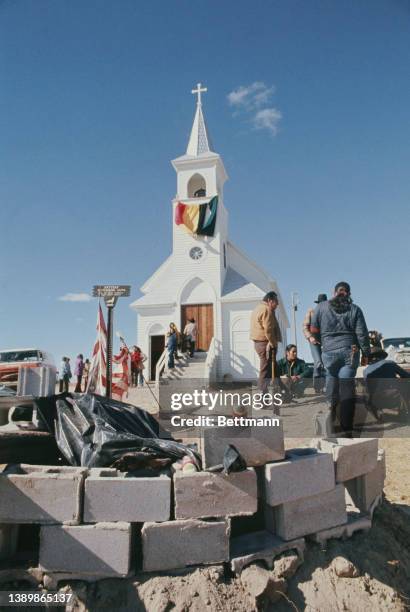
[206,277]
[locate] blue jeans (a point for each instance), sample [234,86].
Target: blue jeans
[341,366]
[318,369]
[171,360]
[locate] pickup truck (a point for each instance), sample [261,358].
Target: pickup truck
[11,360]
[398,349]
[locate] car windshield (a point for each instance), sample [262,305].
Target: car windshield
[10,356]
[396,342]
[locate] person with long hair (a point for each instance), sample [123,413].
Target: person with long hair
[340,327]
[174,329]
[137,366]
[171,345]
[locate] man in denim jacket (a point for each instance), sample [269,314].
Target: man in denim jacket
[340,327]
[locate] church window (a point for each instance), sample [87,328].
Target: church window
[196,186]
[224,256]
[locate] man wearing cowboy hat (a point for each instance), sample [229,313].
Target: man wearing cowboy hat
[315,348]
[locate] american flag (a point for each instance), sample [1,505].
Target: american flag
[97,381]
[121,367]
[121,373]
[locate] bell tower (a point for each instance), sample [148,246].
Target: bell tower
[200,178]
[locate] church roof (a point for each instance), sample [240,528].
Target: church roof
[236,287]
[199,140]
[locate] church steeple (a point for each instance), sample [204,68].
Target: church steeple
[200,170]
[199,141]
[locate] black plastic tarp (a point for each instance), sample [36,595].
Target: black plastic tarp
[94,431]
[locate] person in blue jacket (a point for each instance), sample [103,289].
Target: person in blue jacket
[172,342]
[340,327]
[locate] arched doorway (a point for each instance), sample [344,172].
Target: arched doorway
[156,347]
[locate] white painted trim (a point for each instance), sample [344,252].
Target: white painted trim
[136,306]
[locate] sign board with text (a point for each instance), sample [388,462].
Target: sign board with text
[111,291]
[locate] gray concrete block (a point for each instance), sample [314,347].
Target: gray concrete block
[261,546]
[109,497]
[310,514]
[354,523]
[177,544]
[300,475]
[8,541]
[364,489]
[269,518]
[102,472]
[203,495]
[103,549]
[352,457]
[257,445]
[41,494]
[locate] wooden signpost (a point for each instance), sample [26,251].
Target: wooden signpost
[110,293]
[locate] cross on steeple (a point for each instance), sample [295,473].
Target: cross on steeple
[198,91]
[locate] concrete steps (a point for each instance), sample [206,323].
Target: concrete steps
[185,368]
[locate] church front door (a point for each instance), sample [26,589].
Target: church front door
[204,318]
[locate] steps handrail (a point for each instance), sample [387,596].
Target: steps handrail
[211,361]
[160,367]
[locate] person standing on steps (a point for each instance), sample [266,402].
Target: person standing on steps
[174,328]
[171,344]
[191,334]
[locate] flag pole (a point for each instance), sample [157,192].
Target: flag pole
[110,303]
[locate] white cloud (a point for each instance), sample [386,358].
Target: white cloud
[251,96]
[252,102]
[267,119]
[75,297]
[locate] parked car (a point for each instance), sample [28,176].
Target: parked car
[11,360]
[398,349]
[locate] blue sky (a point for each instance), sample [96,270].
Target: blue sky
[95,102]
